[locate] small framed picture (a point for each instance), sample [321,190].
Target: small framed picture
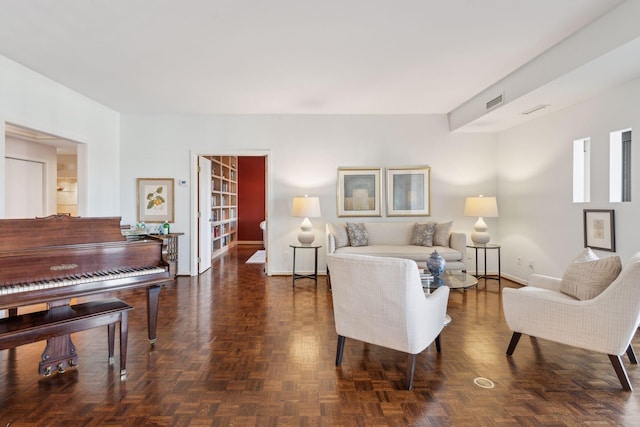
[155,199]
[358,192]
[408,191]
[599,229]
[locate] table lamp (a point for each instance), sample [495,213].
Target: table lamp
[306,207]
[481,207]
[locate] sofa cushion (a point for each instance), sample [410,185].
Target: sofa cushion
[358,235]
[441,235]
[340,235]
[416,253]
[423,234]
[587,279]
[390,233]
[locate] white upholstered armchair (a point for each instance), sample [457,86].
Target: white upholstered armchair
[605,323]
[380,300]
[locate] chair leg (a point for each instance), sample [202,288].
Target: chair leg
[340,350]
[616,361]
[438,346]
[514,342]
[632,355]
[411,367]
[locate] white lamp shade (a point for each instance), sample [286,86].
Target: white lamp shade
[481,206]
[306,207]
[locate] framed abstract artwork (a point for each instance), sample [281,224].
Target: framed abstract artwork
[408,191]
[155,199]
[599,229]
[358,191]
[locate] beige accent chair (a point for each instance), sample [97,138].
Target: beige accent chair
[605,324]
[380,300]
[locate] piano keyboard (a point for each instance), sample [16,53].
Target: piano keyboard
[79,279]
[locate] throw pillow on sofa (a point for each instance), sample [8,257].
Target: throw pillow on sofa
[340,235]
[358,235]
[587,279]
[422,234]
[441,235]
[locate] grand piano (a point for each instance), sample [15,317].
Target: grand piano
[54,259]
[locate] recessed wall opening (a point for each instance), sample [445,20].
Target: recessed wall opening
[582,170]
[620,166]
[42,174]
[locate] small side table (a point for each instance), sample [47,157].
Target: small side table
[313,276]
[484,248]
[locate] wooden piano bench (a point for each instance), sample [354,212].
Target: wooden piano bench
[62,321]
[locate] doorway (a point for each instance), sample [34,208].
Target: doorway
[216,208]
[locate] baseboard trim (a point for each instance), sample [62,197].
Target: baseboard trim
[518,280]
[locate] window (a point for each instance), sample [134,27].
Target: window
[620,166]
[582,170]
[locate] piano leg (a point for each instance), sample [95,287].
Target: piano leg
[153,296]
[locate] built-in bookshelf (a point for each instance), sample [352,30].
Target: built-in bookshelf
[224,203]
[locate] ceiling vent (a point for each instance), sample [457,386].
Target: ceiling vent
[534,109]
[498,100]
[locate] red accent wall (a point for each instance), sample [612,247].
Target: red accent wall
[251,197]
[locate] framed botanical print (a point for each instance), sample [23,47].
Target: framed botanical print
[408,191]
[599,229]
[155,199]
[358,192]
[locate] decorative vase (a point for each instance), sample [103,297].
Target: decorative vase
[436,264]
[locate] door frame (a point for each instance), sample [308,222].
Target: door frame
[193,211]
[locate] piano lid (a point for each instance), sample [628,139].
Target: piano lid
[56,230]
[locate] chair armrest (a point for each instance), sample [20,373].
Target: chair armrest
[331,239]
[429,312]
[544,282]
[458,241]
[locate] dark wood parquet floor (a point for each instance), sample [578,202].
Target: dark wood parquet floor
[238,348]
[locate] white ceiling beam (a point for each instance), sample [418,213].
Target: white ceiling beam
[587,49]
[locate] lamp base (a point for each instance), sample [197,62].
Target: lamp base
[305,235]
[480,237]
[306,238]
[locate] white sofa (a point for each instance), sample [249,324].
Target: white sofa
[393,239]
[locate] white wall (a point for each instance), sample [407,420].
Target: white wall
[30,100]
[305,152]
[538,220]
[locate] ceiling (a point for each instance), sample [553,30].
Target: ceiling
[285,56]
